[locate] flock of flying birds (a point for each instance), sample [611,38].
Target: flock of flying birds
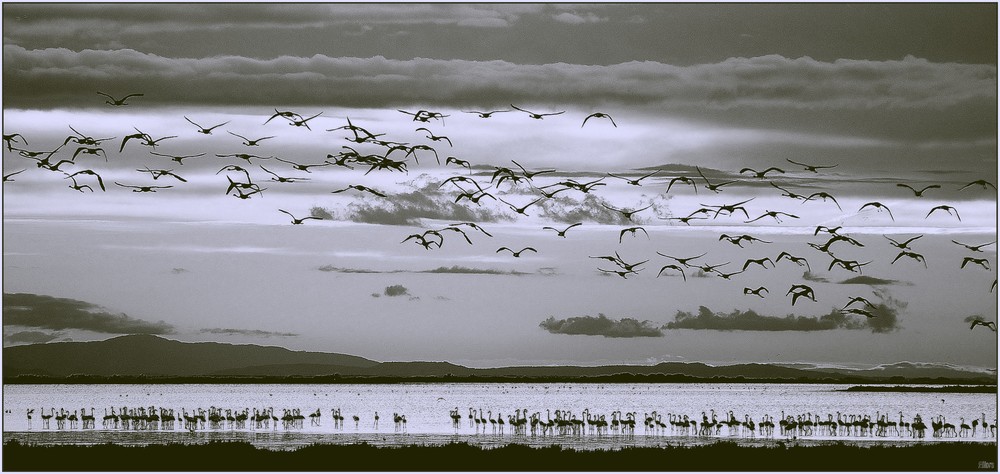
[394,156]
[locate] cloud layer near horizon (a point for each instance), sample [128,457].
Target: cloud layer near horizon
[57,77]
[42,311]
[600,326]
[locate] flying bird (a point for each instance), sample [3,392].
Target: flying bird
[748,291]
[361,188]
[824,196]
[91,151]
[761,174]
[798,291]
[562,233]
[301,167]
[849,265]
[178,158]
[203,130]
[474,226]
[759,261]
[297,221]
[878,207]
[917,193]
[421,239]
[978,261]
[858,311]
[627,212]
[7,177]
[287,114]
[860,299]
[685,180]
[905,245]
[974,248]
[485,114]
[516,254]
[773,214]
[10,139]
[530,174]
[463,163]
[534,115]
[981,322]
[980,182]
[118,102]
[812,168]
[672,267]
[156,174]
[634,182]
[521,210]
[249,142]
[916,256]
[77,186]
[631,230]
[738,240]
[142,189]
[708,184]
[599,115]
[282,179]
[302,122]
[730,208]
[431,136]
[683,261]
[800,261]
[944,208]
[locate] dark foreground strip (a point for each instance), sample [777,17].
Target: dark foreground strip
[721,456]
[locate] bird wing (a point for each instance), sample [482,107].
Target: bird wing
[522,110]
[192,123]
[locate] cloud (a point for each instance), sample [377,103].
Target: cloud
[407,209]
[578,19]
[886,320]
[868,280]
[751,321]
[601,326]
[452,269]
[42,311]
[595,209]
[396,290]
[809,276]
[62,77]
[30,337]
[246,332]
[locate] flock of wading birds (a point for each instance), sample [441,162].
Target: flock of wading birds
[565,423]
[241,184]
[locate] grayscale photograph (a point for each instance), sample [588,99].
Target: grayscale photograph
[500,236]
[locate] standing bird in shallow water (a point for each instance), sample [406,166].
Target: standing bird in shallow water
[599,115]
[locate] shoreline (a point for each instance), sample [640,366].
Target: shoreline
[721,455]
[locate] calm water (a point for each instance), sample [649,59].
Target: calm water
[427,406]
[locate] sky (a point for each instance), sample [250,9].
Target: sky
[873,96]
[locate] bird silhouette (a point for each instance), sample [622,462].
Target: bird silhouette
[599,115]
[421,239]
[634,182]
[142,189]
[282,179]
[761,174]
[685,220]
[463,163]
[249,142]
[757,292]
[157,174]
[286,114]
[728,276]
[729,208]
[118,102]
[474,226]
[245,156]
[485,114]
[708,184]
[203,130]
[918,193]
[812,168]
[297,221]
[859,311]
[91,151]
[878,207]
[100,181]
[672,267]
[824,196]
[799,290]
[773,214]
[738,240]
[980,182]
[516,254]
[860,299]
[916,256]
[10,140]
[905,245]
[235,168]
[849,265]
[685,180]
[631,230]
[7,177]
[431,136]
[683,261]
[758,261]
[521,210]
[622,273]
[301,167]
[302,122]
[361,188]
[829,230]
[534,115]
[76,186]
[530,174]
[944,208]
[562,233]
[979,321]
[627,213]
[974,248]
[791,258]
[978,261]
[178,158]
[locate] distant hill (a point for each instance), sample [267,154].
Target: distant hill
[153,355]
[144,355]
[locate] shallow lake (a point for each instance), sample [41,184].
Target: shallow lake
[427,408]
